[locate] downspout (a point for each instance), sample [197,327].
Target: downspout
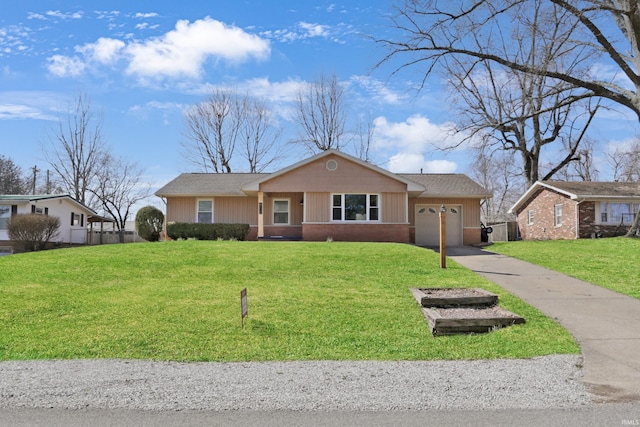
[578,218]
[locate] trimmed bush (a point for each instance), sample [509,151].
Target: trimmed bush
[189,230]
[149,223]
[31,232]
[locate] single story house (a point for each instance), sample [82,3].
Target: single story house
[332,195]
[73,214]
[574,210]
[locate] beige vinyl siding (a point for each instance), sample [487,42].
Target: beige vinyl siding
[236,210]
[181,209]
[318,207]
[394,207]
[349,177]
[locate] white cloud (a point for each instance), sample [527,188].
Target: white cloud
[416,134]
[378,90]
[412,140]
[63,15]
[183,51]
[104,51]
[414,163]
[28,105]
[303,30]
[146,15]
[65,66]
[313,30]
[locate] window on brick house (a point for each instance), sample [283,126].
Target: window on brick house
[558,215]
[618,213]
[530,217]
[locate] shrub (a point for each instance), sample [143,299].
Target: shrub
[188,230]
[32,232]
[149,223]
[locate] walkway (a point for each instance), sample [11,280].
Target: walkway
[606,324]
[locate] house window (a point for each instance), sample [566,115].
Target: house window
[355,207]
[5,214]
[281,211]
[618,213]
[205,211]
[75,219]
[558,215]
[530,217]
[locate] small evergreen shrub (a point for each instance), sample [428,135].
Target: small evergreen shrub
[31,232]
[189,230]
[149,221]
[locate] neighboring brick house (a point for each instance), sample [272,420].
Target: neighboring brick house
[332,195]
[574,210]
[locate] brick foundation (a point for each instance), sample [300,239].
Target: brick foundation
[357,232]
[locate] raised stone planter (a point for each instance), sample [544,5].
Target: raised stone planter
[453,297]
[462,310]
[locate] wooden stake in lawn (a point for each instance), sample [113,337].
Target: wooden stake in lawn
[443,236]
[243,305]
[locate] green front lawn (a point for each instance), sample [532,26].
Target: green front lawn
[612,263]
[307,301]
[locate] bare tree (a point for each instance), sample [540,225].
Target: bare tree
[583,169]
[119,187]
[12,180]
[364,138]
[497,172]
[76,151]
[320,114]
[226,123]
[625,161]
[261,135]
[213,128]
[525,114]
[432,32]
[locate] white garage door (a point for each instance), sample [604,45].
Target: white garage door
[428,225]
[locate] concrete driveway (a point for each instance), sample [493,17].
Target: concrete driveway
[606,324]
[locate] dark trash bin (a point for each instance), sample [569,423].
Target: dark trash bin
[484,233]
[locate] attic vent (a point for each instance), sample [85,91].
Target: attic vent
[332,165]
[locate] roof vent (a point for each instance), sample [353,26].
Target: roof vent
[332,165]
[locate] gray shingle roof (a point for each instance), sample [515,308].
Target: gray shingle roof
[448,184]
[231,184]
[207,184]
[594,189]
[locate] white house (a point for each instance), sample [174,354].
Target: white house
[73,214]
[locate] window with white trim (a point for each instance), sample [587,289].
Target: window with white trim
[557,215]
[205,211]
[281,211]
[5,214]
[618,213]
[355,207]
[530,217]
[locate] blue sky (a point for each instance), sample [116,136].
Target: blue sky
[143,63]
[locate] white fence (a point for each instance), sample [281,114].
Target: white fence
[111,237]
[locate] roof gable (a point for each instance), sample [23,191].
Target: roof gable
[298,167]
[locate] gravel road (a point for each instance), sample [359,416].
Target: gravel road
[542,382]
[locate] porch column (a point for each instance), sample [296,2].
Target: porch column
[260,214]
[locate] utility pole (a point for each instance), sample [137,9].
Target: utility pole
[35,175]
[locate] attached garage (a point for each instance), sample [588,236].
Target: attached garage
[427,225]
